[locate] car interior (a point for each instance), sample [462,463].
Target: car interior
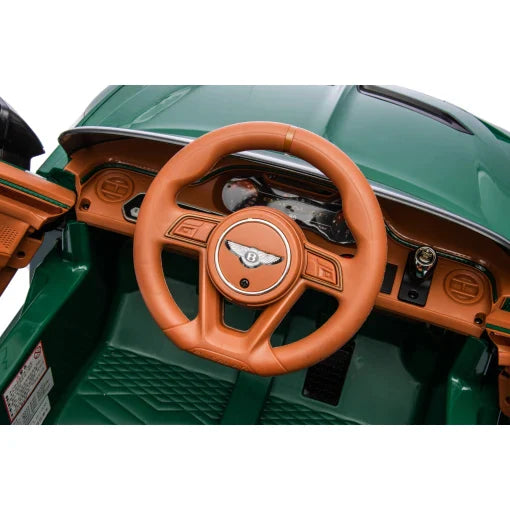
[224,282]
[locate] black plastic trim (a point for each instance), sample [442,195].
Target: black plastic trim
[18,143]
[389,278]
[415,105]
[413,291]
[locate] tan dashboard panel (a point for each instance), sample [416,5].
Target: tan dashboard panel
[418,227]
[27,203]
[102,197]
[460,296]
[441,309]
[143,154]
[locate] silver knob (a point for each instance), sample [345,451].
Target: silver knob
[425,259]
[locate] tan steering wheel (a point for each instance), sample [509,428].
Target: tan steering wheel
[258,257]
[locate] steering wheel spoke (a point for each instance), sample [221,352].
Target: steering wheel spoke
[260,333]
[188,229]
[210,303]
[323,270]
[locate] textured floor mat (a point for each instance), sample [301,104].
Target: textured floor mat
[125,388]
[278,411]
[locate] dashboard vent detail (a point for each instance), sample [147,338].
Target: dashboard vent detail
[413,104]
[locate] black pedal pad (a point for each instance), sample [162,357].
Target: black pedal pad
[325,380]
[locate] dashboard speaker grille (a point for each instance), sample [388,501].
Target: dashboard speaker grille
[8,236]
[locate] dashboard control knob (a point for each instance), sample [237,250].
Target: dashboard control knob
[425,259]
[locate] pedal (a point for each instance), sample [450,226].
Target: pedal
[325,380]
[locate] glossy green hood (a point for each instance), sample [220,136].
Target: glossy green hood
[466,172]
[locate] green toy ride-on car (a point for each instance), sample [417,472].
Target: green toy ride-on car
[258,255]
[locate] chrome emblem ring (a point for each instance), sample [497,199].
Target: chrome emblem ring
[252,257]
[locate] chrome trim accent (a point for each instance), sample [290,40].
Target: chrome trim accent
[67,137]
[258,257]
[220,242]
[425,259]
[284,161]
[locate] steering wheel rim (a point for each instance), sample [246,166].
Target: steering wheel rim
[354,282]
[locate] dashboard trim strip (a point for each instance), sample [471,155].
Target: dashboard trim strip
[497,328]
[40,196]
[80,137]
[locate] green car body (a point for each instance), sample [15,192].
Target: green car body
[110,362]
[467,175]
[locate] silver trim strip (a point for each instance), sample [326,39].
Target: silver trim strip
[220,242]
[284,162]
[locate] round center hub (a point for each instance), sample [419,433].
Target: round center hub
[255,255]
[246,246]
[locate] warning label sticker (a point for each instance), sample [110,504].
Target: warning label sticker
[31,412]
[41,413]
[25,382]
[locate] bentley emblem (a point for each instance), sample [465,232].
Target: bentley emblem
[251,257]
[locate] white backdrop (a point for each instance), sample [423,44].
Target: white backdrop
[56,55]
[51,108]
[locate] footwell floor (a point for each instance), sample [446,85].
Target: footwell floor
[137,376]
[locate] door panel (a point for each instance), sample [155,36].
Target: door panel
[28,203]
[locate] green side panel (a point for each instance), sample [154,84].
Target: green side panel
[472,392]
[465,174]
[64,310]
[506,305]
